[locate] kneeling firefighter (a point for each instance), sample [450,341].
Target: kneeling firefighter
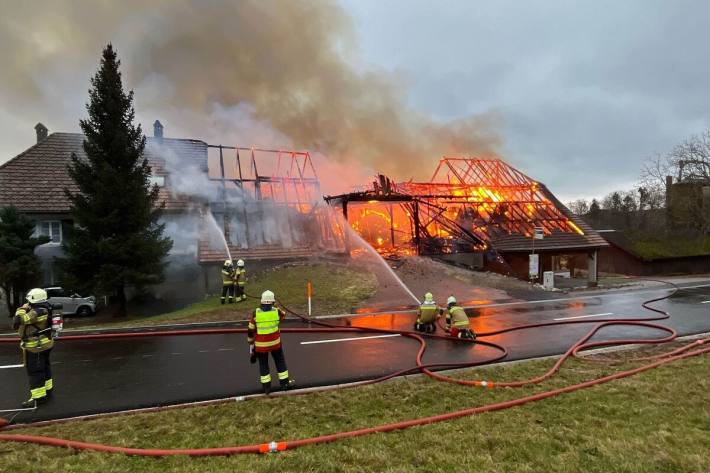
[264,337]
[37,323]
[457,323]
[428,314]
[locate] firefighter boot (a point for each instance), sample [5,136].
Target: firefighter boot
[29,404]
[266,387]
[287,384]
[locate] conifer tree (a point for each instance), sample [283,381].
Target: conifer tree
[117,240]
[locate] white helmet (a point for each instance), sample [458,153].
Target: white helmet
[429,297]
[228,262]
[268,297]
[451,300]
[240,263]
[36,296]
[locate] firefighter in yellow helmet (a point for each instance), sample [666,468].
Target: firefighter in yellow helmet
[264,337]
[34,323]
[429,312]
[457,323]
[227,281]
[240,279]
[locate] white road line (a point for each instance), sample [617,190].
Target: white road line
[11,366]
[705,302]
[176,354]
[146,356]
[225,349]
[585,316]
[348,339]
[203,351]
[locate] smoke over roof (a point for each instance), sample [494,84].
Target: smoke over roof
[262,72]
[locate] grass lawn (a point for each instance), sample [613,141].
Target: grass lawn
[336,289]
[658,420]
[651,248]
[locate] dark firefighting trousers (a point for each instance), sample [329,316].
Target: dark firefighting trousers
[279,360]
[240,292]
[228,291]
[39,371]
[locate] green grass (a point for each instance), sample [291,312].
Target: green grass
[336,289]
[655,421]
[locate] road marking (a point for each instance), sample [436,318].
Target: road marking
[11,366]
[117,358]
[203,351]
[225,349]
[585,316]
[334,340]
[705,302]
[175,354]
[146,356]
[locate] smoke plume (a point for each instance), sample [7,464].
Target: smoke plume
[291,65]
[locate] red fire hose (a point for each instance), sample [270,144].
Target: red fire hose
[690,350]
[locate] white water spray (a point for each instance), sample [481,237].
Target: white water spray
[353,235]
[214,227]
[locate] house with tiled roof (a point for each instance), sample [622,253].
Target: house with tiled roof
[34,182]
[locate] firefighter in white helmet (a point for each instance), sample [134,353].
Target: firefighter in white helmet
[227,282]
[429,312]
[240,280]
[264,337]
[457,323]
[33,321]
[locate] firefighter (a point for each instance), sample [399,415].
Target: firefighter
[457,323]
[33,322]
[264,337]
[227,281]
[428,314]
[240,279]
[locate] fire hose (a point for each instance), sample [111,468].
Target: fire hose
[690,350]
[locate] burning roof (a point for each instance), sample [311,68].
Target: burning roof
[470,204]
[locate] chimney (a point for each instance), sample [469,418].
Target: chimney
[41,132]
[157,129]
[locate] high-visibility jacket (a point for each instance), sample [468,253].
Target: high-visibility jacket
[33,325]
[240,276]
[263,329]
[457,318]
[427,313]
[227,276]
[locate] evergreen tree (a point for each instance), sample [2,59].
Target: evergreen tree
[19,266]
[117,241]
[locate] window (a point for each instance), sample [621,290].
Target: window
[51,229]
[159,180]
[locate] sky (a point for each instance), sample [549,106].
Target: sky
[575,94]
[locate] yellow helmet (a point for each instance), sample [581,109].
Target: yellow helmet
[268,297]
[36,296]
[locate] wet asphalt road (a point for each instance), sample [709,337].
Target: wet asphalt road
[107,376]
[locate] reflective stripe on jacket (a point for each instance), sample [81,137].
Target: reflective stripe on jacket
[240,276]
[263,329]
[427,313]
[456,317]
[227,277]
[29,322]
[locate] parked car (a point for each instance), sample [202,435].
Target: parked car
[72,303]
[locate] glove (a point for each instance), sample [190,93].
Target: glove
[252,354]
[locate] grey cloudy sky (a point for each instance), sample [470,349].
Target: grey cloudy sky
[582,92]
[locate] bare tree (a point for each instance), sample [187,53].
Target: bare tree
[579,207]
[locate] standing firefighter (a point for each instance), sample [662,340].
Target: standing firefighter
[240,279]
[428,314]
[264,337]
[34,321]
[227,281]
[457,321]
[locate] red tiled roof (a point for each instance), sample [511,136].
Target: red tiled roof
[34,180]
